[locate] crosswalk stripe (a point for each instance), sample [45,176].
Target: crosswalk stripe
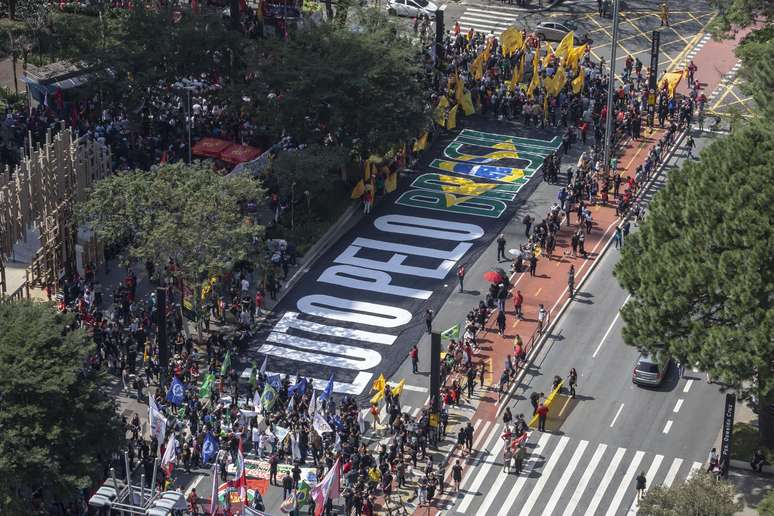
[568,471]
[584,481]
[696,466]
[477,23]
[482,471]
[511,499]
[534,494]
[488,14]
[605,482]
[476,444]
[626,482]
[502,476]
[651,477]
[672,473]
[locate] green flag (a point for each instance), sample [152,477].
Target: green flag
[451,333]
[253,375]
[226,364]
[269,397]
[181,413]
[303,493]
[206,389]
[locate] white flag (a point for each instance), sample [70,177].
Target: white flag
[327,488]
[158,423]
[312,404]
[257,401]
[265,363]
[320,425]
[281,433]
[170,455]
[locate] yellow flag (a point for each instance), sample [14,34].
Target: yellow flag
[511,40]
[359,190]
[459,90]
[549,53]
[545,107]
[398,388]
[379,384]
[548,84]
[574,56]
[560,79]
[377,398]
[671,81]
[518,74]
[566,45]
[391,184]
[467,104]
[439,115]
[577,83]
[421,143]
[451,121]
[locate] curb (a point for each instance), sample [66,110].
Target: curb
[741,464]
[555,320]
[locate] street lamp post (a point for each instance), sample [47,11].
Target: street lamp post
[609,125]
[292,204]
[190,123]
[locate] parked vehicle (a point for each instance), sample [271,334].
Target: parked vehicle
[650,369]
[412,8]
[555,31]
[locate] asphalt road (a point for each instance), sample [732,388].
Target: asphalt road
[598,443]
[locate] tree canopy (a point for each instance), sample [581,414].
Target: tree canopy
[361,84]
[700,494]
[55,421]
[701,268]
[185,212]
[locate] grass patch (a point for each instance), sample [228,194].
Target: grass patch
[745,440]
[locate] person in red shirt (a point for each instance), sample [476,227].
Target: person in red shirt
[414,355]
[542,413]
[518,300]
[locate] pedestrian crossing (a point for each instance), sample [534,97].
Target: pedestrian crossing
[487,19]
[562,476]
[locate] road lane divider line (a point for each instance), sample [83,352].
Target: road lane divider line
[610,328]
[688,386]
[604,483]
[672,473]
[564,406]
[616,415]
[695,467]
[668,426]
[678,405]
[625,484]
[569,469]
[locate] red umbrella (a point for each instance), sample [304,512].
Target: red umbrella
[493,277]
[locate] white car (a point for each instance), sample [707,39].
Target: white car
[412,8]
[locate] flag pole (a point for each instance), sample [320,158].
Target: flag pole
[610,124]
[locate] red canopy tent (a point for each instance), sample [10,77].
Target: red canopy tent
[236,154]
[210,147]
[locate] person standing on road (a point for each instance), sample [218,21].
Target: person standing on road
[533,264]
[469,437]
[518,300]
[429,320]
[691,145]
[642,484]
[461,276]
[457,475]
[573,381]
[680,369]
[501,248]
[534,399]
[471,376]
[664,14]
[414,355]
[527,221]
[542,413]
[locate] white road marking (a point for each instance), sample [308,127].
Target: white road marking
[415,388]
[667,426]
[541,483]
[615,319]
[193,485]
[625,484]
[677,406]
[688,386]
[482,474]
[568,471]
[605,482]
[696,466]
[569,510]
[511,499]
[649,476]
[672,473]
[616,415]
[477,443]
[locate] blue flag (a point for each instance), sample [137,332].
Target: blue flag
[176,392]
[338,423]
[209,448]
[328,391]
[275,382]
[298,386]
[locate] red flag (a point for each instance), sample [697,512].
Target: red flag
[241,476]
[327,488]
[195,6]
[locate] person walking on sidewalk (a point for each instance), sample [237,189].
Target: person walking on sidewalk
[461,276]
[571,280]
[542,315]
[618,238]
[457,475]
[429,320]
[518,301]
[533,264]
[501,248]
[501,322]
[542,413]
[414,355]
[691,145]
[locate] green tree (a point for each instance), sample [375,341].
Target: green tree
[362,84]
[55,420]
[757,54]
[184,212]
[766,507]
[701,269]
[700,495]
